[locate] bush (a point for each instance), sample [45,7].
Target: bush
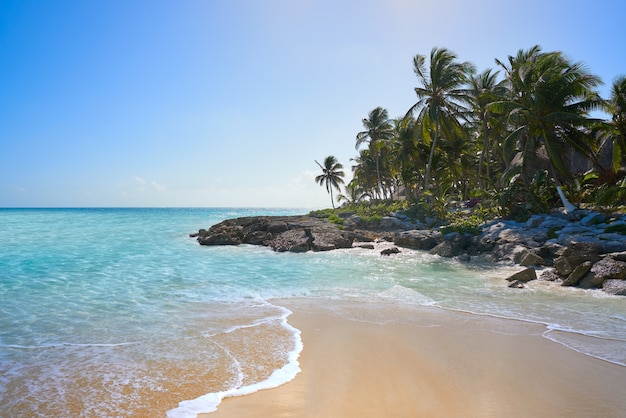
[463,222]
[335,219]
[618,228]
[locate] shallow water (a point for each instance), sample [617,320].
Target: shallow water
[117,312]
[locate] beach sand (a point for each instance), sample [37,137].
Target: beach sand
[437,364]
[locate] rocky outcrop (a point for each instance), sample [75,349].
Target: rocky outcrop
[584,248]
[424,239]
[281,233]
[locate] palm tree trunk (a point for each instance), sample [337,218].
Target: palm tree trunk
[381,189]
[481,160]
[430,157]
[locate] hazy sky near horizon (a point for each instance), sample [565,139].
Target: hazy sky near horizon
[228,103]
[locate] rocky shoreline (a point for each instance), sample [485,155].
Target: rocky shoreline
[585,249]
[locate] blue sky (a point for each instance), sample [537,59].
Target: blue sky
[228,103]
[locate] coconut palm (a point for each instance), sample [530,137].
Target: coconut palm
[364,172]
[407,153]
[484,89]
[331,177]
[615,130]
[354,193]
[378,130]
[441,96]
[549,105]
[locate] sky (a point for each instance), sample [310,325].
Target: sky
[228,103]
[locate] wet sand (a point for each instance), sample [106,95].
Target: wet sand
[438,364]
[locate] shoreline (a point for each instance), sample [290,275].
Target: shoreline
[432,363]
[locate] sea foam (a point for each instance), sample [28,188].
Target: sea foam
[210,401]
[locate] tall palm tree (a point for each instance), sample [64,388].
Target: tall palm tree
[407,153]
[331,177]
[549,105]
[440,97]
[378,130]
[484,89]
[616,127]
[364,172]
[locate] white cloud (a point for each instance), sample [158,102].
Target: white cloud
[159,188]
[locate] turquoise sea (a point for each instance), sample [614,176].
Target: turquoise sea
[117,312]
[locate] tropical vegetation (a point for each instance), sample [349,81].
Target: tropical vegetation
[500,140]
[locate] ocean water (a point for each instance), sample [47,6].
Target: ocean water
[118,313]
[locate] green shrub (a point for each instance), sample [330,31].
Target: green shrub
[552,232]
[322,213]
[463,223]
[618,228]
[335,219]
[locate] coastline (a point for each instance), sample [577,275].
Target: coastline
[397,362]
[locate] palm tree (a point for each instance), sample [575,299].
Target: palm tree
[378,130]
[484,89]
[615,129]
[440,96]
[354,193]
[364,172]
[548,109]
[332,176]
[407,153]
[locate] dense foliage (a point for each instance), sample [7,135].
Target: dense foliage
[502,139]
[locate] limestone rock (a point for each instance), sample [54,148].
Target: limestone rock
[295,240]
[608,268]
[566,264]
[443,249]
[325,240]
[418,239]
[582,249]
[389,251]
[577,274]
[549,275]
[523,276]
[614,287]
[531,259]
[281,233]
[516,284]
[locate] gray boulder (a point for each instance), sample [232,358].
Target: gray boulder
[605,269]
[614,287]
[523,276]
[389,251]
[549,275]
[528,258]
[295,240]
[577,274]
[566,264]
[609,268]
[418,239]
[328,239]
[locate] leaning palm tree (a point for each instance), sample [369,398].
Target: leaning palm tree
[331,177]
[378,130]
[440,96]
[548,109]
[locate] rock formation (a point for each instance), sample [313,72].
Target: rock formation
[582,248]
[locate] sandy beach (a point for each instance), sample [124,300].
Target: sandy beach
[396,363]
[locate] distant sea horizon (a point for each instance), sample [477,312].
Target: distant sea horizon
[107,310]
